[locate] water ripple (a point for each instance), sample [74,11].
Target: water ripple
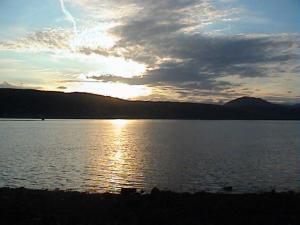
[101,155]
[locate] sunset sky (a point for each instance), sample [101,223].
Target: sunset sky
[179,50]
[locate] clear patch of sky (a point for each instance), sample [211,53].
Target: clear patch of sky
[18,17]
[260,16]
[28,67]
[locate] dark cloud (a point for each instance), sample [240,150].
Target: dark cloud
[98,51]
[241,55]
[61,88]
[167,36]
[203,59]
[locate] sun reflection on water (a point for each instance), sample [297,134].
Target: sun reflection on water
[117,155]
[116,158]
[118,123]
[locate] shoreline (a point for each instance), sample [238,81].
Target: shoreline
[27,206]
[6,119]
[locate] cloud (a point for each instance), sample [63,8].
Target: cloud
[14,86]
[204,59]
[51,40]
[61,88]
[169,38]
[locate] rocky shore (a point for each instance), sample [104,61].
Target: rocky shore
[24,206]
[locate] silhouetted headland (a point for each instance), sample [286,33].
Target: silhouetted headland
[19,103]
[32,207]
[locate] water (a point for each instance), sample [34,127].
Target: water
[178,155]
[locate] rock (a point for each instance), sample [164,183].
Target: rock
[128,191]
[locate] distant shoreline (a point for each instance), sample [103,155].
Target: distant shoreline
[24,104]
[25,206]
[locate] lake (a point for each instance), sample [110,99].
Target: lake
[178,155]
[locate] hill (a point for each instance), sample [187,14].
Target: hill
[248,102]
[20,103]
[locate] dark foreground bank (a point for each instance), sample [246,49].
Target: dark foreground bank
[23,206]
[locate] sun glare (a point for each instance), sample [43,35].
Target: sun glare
[117,90]
[119,122]
[95,40]
[125,91]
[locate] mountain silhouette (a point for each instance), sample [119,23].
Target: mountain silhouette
[248,102]
[20,103]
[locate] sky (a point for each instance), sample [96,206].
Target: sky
[161,50]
